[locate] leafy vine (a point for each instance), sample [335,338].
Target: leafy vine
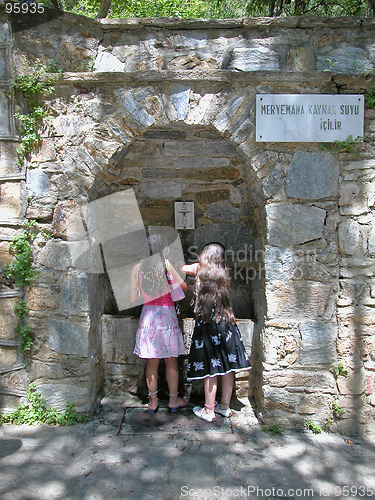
[22,272]
[32,86]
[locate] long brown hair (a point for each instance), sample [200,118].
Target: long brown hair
[213,299]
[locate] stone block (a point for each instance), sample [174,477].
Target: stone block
[207,197]
[55,255]
[41,299]
[297,300]
[37,182]
[62,214]
[5,33]
[254,59]
[134,108]
[73,292]
[354,384]
[292,224]
[164,190]
[57,395]
[180,100]
[5,256]
[8,318]
[371,241]
[107,62]
[5,115]
[312,176]
[348,193]
[276,398]
[301,59]
[10,200]
[8,356]
[345,60]
[69,336]
[350,237]
[318,343]
[118,338]
[8,158]
[224,211]
[234,237]
[45,152]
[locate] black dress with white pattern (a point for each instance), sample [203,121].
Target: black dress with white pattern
[216,349]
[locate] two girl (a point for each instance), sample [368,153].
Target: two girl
[216,348]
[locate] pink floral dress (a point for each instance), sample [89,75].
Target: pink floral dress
[158,334]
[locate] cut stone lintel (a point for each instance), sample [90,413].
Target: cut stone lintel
[217,75]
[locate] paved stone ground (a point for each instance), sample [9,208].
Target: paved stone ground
[98,461]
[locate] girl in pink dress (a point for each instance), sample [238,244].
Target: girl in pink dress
[158,335]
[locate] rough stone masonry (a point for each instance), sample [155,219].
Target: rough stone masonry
[167,108]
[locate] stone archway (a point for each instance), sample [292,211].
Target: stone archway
[187,162]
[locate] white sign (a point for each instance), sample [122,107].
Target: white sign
[308,118]
[184,214]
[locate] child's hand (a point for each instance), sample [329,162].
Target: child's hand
[190,268]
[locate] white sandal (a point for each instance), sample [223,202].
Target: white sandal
[225,413]
[202,413]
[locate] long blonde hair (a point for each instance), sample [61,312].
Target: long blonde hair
[213,299]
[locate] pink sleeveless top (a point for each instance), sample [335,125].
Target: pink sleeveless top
[164,300]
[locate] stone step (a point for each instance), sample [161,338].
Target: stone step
[11,368]
[15,222]
[13,392]
[11,178]
[9,342]
[6,294]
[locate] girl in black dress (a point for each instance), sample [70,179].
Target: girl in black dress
[216,346]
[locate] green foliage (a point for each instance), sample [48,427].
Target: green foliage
[349,145]
[275,429]
[34,411]
[331,65]
[370,98]
[340,370]
[194,9]
[26,339]
[315,428]
[337,410]
[21,269]
[21,309]
[22,272]
[329,424]
[220,8]
[329,8]
[32,86]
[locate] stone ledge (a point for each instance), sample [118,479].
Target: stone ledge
[9,342]
[220,76]
[308,22]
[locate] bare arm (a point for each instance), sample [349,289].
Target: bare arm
[176,276]
[190,268]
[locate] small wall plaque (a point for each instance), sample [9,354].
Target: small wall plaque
[184,214]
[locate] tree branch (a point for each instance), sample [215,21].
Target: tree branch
[104,8]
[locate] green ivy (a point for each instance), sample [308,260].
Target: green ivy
[340,370]
[337,410]
[21,271]
[275,429]
[35,411]
[315,428]
[349,145]
[370,98]
[32,86]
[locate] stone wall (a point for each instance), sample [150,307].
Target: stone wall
[167,108]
